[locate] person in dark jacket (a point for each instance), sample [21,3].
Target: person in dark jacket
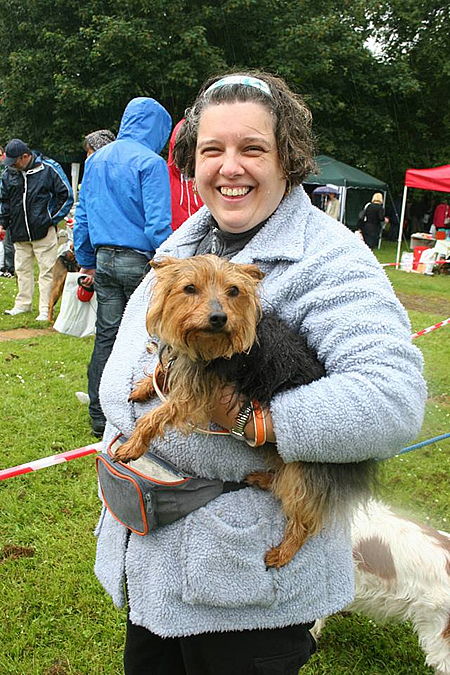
[122,216]
[35,196]
[373,221]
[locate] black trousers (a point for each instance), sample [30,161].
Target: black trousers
[279,651]
[371,239]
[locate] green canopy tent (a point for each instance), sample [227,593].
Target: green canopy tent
[356,187]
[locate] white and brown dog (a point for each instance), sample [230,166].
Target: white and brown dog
[402,573]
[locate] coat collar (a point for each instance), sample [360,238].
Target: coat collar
[281,238]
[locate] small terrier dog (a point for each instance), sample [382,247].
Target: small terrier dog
[402,573]
[66,262]
[206,313]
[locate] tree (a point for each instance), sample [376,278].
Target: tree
[414,33]
[67,68]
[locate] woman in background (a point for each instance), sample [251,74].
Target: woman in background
[373,220]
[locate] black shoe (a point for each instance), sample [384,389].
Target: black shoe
[97,428]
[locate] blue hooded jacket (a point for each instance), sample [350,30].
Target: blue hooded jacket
[125,195]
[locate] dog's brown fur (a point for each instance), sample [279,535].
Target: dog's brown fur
[66,262]
[186,294]
[180,318]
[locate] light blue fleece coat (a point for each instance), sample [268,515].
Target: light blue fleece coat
[206,572]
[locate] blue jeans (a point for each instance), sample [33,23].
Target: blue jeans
[119,271]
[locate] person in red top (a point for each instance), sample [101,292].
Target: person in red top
[441,218]
[184,199]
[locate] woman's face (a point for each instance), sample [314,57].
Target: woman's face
[237,169]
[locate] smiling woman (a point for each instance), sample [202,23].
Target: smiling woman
[204,581]
[237,168]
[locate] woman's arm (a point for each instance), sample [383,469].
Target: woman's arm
[371,402]
[227,409]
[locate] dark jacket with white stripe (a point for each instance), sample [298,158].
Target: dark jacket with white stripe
[34,200]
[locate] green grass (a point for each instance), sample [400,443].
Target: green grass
[55,619]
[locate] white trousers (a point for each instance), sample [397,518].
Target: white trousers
[45,251]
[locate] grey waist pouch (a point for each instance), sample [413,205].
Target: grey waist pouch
[150,492]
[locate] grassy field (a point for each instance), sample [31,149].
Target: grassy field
[54,617]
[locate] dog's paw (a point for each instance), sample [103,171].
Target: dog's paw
[143,391]
[128,451]
[278,556]
[136,396]
[260,479]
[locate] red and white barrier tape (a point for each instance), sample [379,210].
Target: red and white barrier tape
[96,447]
[430,328]
[50,461]
[435,262]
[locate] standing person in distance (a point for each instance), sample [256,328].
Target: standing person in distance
[374,219]
[35,196]
[96,140]
[122,216]
[333,206]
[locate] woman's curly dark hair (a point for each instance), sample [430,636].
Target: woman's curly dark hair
[292,123]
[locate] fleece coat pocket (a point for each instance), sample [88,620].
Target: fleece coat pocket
[223,564]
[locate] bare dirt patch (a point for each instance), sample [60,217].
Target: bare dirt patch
[12,552]
[57,668]
[24,333]
[424,304]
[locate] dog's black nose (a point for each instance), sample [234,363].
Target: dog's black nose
[217,320]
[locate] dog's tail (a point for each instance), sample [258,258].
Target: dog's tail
[340,488]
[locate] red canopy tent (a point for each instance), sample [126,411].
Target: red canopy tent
[426,179]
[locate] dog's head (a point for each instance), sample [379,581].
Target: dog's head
[205,307]
[69,260]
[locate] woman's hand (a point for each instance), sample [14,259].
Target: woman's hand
[227,407]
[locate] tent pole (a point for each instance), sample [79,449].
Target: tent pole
[400,226]
[75,171]
[343,204]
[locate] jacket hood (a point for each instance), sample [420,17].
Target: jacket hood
[146,121]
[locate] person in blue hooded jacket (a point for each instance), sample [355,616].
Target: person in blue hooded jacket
[122,216]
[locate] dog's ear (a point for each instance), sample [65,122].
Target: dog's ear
[163,262]
[253,271]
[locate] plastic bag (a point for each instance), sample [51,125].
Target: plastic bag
[427,260]
[406,262]
[75,317]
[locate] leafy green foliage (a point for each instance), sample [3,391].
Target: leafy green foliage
[67,68]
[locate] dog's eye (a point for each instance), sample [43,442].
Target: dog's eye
[233,291]
[190,289]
